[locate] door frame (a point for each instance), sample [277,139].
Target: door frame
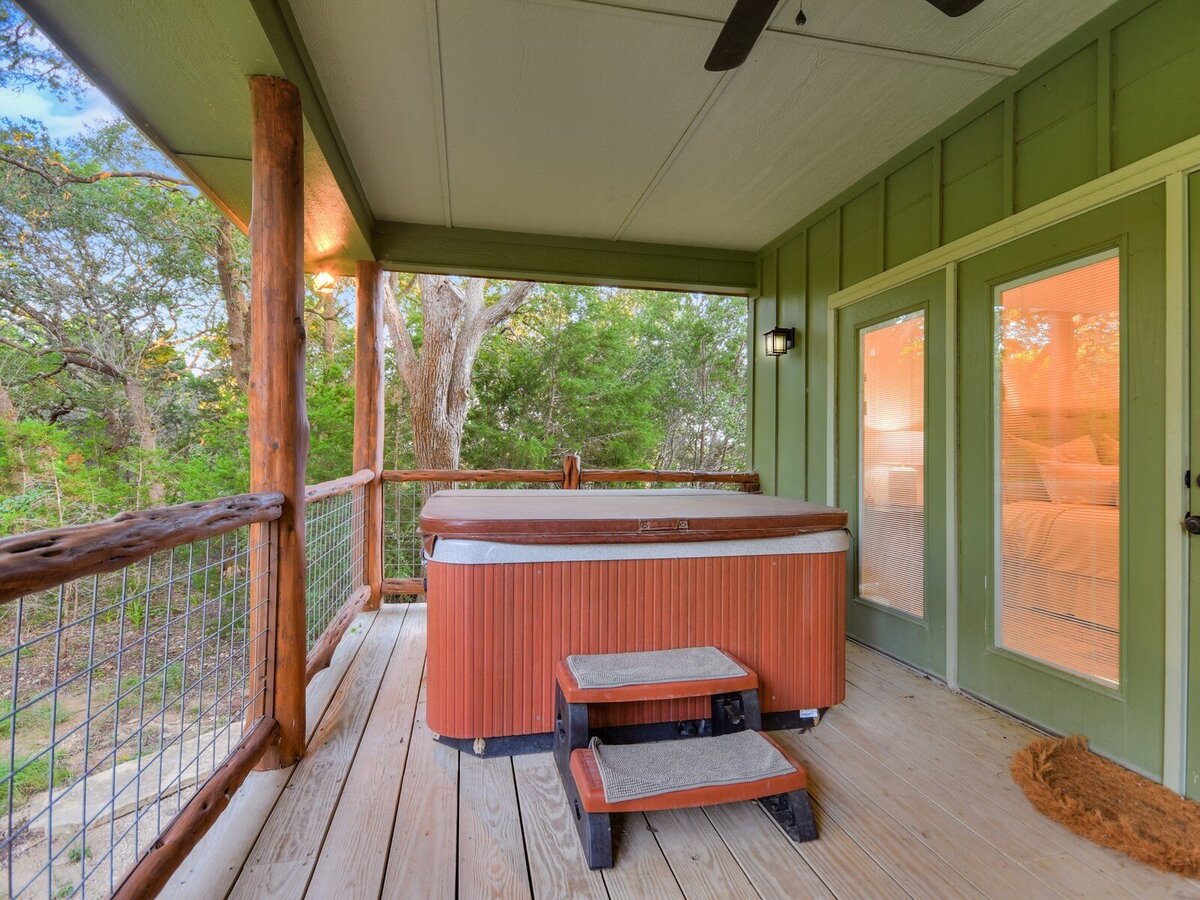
[1128,721]
[929,642]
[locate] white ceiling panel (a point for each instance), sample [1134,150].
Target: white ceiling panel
[559,114]
[376,65]
[595,118]
[807,125]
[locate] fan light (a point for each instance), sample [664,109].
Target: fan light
[323,283]
[780,340]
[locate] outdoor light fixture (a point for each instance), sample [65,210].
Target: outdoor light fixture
[780,340]
[323,283]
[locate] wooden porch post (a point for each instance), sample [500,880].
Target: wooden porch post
[368,418]
[278,419]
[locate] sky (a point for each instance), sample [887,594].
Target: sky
[61,119]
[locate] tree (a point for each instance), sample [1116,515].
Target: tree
[98,268]
[437,363]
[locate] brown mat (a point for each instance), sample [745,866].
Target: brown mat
[1110,805]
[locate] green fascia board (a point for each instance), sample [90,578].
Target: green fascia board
[1082,37]
[540,257]
[279,25]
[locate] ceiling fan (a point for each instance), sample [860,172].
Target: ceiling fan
[750,17]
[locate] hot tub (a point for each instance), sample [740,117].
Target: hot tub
[519,579]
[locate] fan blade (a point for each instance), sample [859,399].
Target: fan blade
[741,31]
[955,8]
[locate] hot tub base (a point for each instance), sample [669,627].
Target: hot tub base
[521,744]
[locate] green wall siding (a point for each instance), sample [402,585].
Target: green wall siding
[1122,87]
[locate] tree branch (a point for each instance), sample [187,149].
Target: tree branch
[69,177]
[406,354]
[507,305]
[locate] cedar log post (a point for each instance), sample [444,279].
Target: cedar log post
[368,419]
[278,419]
[571,471]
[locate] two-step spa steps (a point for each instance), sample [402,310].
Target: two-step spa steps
[738,762]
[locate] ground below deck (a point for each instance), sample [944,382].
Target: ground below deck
[910,784]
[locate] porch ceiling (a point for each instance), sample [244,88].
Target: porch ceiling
[584,119]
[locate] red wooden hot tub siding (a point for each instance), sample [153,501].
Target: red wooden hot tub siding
[496,630]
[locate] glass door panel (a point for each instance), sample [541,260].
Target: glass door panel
[1058,448]
[892,478]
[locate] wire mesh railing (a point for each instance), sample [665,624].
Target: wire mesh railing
[124,690]
[333,541]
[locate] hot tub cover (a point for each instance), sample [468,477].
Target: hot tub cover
[619,516]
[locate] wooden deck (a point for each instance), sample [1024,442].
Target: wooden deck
[910,781]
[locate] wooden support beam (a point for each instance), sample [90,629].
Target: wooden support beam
[278,419]
[368,418]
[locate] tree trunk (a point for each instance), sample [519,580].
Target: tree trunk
[143,427]
[8,410]
[438,380]
[237,310]
[328,324]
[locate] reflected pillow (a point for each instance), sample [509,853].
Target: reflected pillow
[1023,480]
[1070,482]
[1109,449]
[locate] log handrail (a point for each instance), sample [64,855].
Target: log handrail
[569,475]
[45,559]
[337,486]
[598,476]
[549,476]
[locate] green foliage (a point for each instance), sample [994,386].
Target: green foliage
[626,378]
[31,775]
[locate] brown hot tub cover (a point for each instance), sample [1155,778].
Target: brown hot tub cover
[616,516]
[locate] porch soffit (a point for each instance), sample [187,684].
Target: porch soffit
[579,119]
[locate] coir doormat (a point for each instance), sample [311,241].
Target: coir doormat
[1110,805]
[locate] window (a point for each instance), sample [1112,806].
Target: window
[1058,451]
[892,454]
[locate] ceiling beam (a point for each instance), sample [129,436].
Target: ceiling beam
[540,257]
[871,49]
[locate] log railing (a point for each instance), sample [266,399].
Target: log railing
[405,491]
[135,665]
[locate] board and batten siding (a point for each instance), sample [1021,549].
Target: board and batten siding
[1121,88]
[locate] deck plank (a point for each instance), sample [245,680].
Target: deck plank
[354,857]
[491,847]
[978,756]
[423,860]
[640,868]
[764,852]
[699,859]
[845,868]
[288,847]
[910,784]
[902,854]
[213,866]
[556,864]
[977,860]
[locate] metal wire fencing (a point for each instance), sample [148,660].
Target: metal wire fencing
[122,693]
[333,542]
[402,502]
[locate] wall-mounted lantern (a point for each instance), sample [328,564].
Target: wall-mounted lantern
[323,283]
[780,340]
